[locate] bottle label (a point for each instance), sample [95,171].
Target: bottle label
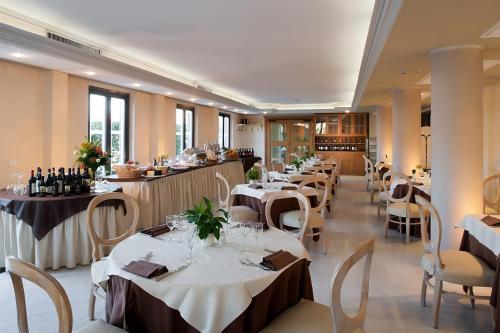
[60,186]
[67,188]
[43,189]
[37,186]
[33,188]
[49,189]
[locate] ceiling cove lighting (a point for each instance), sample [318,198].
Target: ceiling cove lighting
[90,73]
[211,104]
[137,84]
[224,107]
[17,55]
[192,99]
[347,111]
[169,93]
[265,112]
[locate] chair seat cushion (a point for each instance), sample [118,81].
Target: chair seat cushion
[305,316]
[460,267]
[243,213]
[97,268]
[99,326]
[291,219]
[399,209]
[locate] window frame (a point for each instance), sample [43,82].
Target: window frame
[185,108]
[108,94]
[228,116]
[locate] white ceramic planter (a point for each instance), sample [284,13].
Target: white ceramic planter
[210,241]
[252,181]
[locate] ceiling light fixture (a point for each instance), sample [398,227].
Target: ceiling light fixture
[347,111]
[192,99]
[265,112]
[246,112]
[169,93]
[17,55]
[224,107]
[137,84]
[90,73]
[210,103]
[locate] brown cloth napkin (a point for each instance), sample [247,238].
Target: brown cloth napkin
[306,173]
[286,188]
[417,184]
[255,186]
[278,260]
[156,230]
[490,220]
[145,269]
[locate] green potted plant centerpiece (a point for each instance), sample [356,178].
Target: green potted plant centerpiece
[253,175]
[207,222]
[297,163]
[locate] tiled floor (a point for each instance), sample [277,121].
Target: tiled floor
[395,282]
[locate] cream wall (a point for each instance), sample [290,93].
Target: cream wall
[251,136]
[47,117]
[491,129]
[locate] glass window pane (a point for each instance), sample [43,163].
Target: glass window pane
[189,129]
[226,132]
[179,131]
[278,152]
[277,132]
[300,131]
[301,150]
[117,130]
[221,130]
[97,118]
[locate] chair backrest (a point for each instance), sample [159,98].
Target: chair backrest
[390,177]
[95,239]
[430,245]
[366,166]
[492,183]
[277,164]
[305,209]
[378,167]
[293,157]
[20,269]
[222,182]
[320,183]
[370,170]
[342,322]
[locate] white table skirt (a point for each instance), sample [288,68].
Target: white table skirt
[67,245]
[210,293]
[263,194]
[486,235]
[174,194]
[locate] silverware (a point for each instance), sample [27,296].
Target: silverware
[269,251]
[164,275]
[247,262]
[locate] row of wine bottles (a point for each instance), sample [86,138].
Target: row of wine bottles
[246,152]
[60,184]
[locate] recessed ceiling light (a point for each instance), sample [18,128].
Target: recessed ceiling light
[192,99]
[90,73]
[224,107]
[235,110]
[17,55]
[246,112]
[137,84]
[210,103]
[347,111]
[169,93]
[265,112]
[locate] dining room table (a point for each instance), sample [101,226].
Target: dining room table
[483,241]
[222,290]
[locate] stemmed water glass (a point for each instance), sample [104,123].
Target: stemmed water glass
[191,239]
[180,225]
[170,221]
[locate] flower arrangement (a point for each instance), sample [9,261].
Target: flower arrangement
[90,155]
[253,173]
[203,217]
[297,163]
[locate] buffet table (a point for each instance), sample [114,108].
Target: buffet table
[159,196]
[216,293]
[51,232]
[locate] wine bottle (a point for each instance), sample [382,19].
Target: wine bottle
[38,179]
[77,182]
[42,187]
[32,184]
[49,187]
[86,181]
[67,183]
[60,181]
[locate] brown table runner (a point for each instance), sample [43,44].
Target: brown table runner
[45,213]
[470,244]
[141,312]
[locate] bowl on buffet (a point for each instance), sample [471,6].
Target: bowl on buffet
[230,155]
[128,171]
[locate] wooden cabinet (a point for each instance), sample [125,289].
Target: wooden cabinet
[286,136]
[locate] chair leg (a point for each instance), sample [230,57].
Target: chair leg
[407,220]
[423,293]
[438,287]
[372,194]
[92,302]
[378,209]
[472,300]
[386,224]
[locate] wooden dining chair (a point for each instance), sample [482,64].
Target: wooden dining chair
[98,242]
[401,208]
[456,267]
[383,194]
[302,218]
[293,157]
[311,317]
[316,215]
[237,213]
[326,171]
[18,270]
[491,188]
[278,165]
[336,171]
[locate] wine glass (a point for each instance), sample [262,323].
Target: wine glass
[191,239]
[258,230]
[170,221]
[180,225]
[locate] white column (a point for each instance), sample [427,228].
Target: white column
[406,115]
[457,130]
[384,134]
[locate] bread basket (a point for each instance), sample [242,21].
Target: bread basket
[127,171]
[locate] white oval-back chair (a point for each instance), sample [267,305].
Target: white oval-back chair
[491,188]
[237,213]
[98,242]
[457,267]
[278,165]
[308,316]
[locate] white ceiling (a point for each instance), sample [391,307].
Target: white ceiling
[265,53]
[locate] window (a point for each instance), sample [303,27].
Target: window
[184,128]
[108,122]
[224,130]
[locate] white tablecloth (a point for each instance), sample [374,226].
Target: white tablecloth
[291,176]
[263,194]
[212,292]
[486,235]
[174,194]
[67,245]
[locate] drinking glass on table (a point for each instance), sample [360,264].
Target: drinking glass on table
[191,239]
[180,225]
[170,221]
[258,230]
[245,229]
